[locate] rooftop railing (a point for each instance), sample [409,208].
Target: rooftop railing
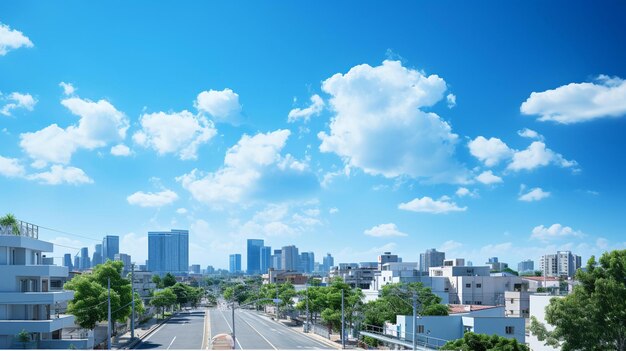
[21,228]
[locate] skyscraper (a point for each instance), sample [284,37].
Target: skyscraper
[168,251]
[307,261]
[277,259]
[266,259]
[97,256]
[431,258]
[67,262]
[328,262]
[254,256]
[234,263]
[85,262]
[526,266]
[110,247]
[290,258]
[125,259]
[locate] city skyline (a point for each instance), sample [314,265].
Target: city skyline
[478,142]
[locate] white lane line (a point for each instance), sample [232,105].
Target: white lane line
[258,332]
[231,330]
[171,343]
[324,346]
[155,331]
[207,328]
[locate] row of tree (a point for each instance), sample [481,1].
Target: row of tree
[178,294]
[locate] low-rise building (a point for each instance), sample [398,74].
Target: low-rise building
[279,276]
[356,275]
[517,304]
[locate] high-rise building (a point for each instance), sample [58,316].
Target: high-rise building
[168,252]
[277,260]
[562,264]
[290,258]
[76,263]
[266,258]
[495,265]
[254,256]
[110,247]
[526,266]
[328,262]
[387,257]
[85,262]
[97,256]
[125,260]
[210,270]
[234,264]
[67,262]
[195,268]
[307,261]
[431,258]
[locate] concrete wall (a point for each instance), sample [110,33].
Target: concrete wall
[497,325]
[538,305]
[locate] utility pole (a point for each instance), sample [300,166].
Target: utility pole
[109,315]
[132,292]
[343,332]
[233,314]
[306,327]
[414,321]
[277,320]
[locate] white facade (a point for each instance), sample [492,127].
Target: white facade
[561,264]
[31,293]
[517,303]
[538,305]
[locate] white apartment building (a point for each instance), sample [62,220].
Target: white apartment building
[31,293]
[561,264]
[517,304]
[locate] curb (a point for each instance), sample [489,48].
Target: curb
[138,340]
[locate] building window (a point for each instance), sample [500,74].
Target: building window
[468,285]
[509,329]
[420,329]
[479,285]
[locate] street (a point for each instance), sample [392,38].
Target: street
[184,331]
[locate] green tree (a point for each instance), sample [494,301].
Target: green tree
[482,342]
[168,280]
[10,221]
[331,314]
[182,293]
[157,280]
[163,298]
[598,303]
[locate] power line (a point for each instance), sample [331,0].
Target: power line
[68,233]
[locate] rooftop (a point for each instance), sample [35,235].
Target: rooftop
[454,309]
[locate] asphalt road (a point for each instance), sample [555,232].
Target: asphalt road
[184,331]
[254,331]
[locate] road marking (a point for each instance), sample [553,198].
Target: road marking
[207,322]
[171,343]
[264,338]
[154,332]
[231,330]
[325,346]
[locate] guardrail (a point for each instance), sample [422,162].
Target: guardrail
[21,228]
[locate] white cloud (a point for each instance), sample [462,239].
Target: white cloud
[462,191]
[11,167]
[602,243]
[496,249]
[135,245]
[17,100]
[535,194]
[379,127]
[333,210]
[316,107]
[555,231]
[537,155]
[59,174]
[100,123]
[223,105]
[68,88]
[159,199]
[181,211]
[179,133]
[487,177]
[428,205]
[449,245]
[252,167]
[490,151]
[451,99]
[579,102]
[120,150]
[11,39]
[384,230]
[530,134]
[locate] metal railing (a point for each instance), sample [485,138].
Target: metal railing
[422,339]
[21,229]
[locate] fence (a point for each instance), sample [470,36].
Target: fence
[321,330]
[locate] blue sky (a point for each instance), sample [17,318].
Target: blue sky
[484,129]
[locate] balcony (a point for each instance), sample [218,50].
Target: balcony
[35,298]
[10,271]
[22,228]
[13,327]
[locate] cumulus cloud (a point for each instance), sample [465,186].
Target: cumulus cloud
[536,155]
[333,210]
[605,97]
[449,245]
[11,167]
[59,174]
[120,150]
[181,211]
[15,101]
[222,105]
[487,177]
[316,107]
[555,231]
[462,191]
[158,199]
[100,123]
[530,134]
[384,230]
[380,128]
[451,99]
[11,39]
[179,133]
[252,162]
[428,205]
[534,194]
[68,88]
[490,151]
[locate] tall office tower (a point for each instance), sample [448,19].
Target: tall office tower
[386,258]
[168,252]
[266,259]
[210,270]
[290,258]
[526,266]
[307,262]
[328,262]
[67,262]
[85,262]
[110,247]
[234,264]
[563,263]
[97,256]
[76,263]
[277,259]
[431,258]
[125,259]
[254,256]
[195,269]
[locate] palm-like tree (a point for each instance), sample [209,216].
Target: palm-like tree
[9,220]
